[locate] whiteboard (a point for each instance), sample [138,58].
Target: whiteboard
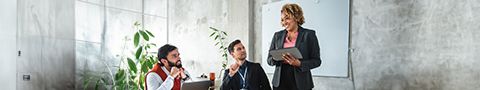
[330,20]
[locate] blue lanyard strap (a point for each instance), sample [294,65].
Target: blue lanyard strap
[243,77]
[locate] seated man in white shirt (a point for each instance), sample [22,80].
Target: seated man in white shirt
[168,73]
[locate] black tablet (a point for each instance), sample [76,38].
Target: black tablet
[278,53]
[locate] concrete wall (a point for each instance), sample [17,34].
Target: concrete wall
[45,38]
[8,36]
[416,44]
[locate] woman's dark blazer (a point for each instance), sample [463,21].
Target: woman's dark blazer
[307,44]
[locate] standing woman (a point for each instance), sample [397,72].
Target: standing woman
[293,73]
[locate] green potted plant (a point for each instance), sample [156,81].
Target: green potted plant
[219,37]
[131,71]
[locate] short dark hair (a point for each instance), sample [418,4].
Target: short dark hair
[164,50]
[230,47]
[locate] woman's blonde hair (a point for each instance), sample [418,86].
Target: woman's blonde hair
[294,10]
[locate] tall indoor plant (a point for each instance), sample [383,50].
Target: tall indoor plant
[131,71]
[219,37]
[132,76]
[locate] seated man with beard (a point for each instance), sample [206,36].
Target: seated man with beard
[168,73]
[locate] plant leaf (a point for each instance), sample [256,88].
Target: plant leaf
[224,33]
[144,35]
[139,52]
[104,81]
[213,33]
[86,82]
[149,33]
[144,66]
[211,28]
[150,63]
[136,39]
[97,84]
[136,23]
[135,87]
[132,65]
[216,37]
[119,75]
[142,82]
[214,29]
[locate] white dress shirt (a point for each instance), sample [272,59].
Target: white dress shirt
[155,82]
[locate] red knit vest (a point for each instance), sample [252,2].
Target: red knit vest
[158,69]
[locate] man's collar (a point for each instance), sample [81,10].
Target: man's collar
[244,64]
[165,69]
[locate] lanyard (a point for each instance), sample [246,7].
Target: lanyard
[243,77]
